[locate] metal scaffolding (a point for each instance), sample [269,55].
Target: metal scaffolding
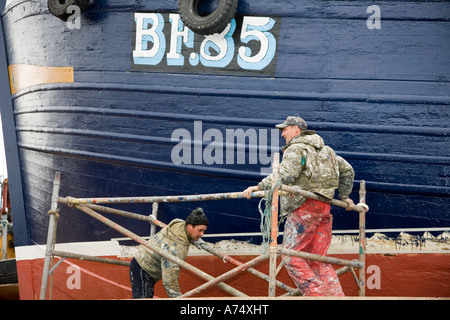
[90,206]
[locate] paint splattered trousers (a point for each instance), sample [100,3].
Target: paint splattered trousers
[142,285]
[308,229]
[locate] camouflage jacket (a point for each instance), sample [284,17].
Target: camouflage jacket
[312,166]
[175,240]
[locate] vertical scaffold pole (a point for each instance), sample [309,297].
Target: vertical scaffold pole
[362,240]
[155,214]
[50,235]
[274,228]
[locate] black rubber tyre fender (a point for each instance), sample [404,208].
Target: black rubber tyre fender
[215,22]
[58,8]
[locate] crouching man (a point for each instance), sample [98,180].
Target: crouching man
[147,266]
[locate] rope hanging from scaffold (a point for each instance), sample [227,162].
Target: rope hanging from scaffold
[266,214]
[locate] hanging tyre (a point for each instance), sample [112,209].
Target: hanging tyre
[214,22]
[58,8]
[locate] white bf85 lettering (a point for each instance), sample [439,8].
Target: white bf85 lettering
[215,51]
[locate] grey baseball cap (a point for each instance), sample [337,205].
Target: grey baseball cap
[293,121]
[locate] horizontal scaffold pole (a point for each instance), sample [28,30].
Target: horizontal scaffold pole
[326,259]
[158,250]
[89,258]
[204,197]
[311,195]
[111,210]
[180,198]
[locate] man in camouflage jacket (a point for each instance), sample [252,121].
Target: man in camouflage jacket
[313,166]
[147,266]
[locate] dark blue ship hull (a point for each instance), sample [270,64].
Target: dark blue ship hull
[138,123]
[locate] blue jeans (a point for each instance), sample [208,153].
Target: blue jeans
[141,282]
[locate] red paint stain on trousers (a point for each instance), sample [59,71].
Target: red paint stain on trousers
[308,229]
